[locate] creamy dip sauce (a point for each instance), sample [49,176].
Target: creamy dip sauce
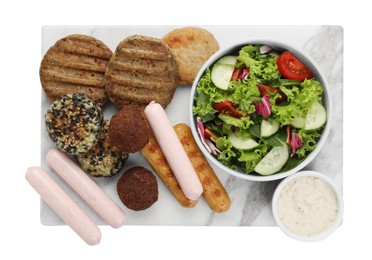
[307,206]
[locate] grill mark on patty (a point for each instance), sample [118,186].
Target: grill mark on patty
[77,61]
[139,80]
[143,66]
[144,54]
[73,75]
[83,45]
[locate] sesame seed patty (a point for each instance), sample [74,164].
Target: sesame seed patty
[73,122]
[103,159]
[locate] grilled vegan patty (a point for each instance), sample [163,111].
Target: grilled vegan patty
[141,70]
[73,122]
[103,159]
[76,64]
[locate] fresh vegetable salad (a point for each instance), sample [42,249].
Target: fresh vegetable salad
[259,111]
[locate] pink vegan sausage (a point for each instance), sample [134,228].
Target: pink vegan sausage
[173,151]
[63,205]
[87,189]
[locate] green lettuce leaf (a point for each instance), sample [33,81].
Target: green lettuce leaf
[247,55]
[234,158]
[261,66]
[299,102]
[241,123]
[244,93]
[292,162]
[249,159]
[310,139]
[207,95]
[227,154]
[278,139]
[203,107]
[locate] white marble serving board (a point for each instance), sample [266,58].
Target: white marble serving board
[250,201]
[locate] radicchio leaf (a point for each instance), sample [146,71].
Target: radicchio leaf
[296,142]
[244,73]
[264,108]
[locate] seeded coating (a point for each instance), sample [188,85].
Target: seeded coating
[103,160]
[73,123]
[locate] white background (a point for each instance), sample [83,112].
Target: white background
[22,235]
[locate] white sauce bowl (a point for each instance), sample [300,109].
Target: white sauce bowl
[295,209]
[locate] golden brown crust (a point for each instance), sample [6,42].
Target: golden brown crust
[155,157]
[213,191]
[141,70]
[192,47]
[75,64]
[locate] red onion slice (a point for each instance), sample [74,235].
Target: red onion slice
[201,133]
[265,49]
[214,149]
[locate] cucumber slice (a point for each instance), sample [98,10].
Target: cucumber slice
[242,143]
[222,71]
[269,128]
[299,122]
[316,117]
[273,161]
[228,60]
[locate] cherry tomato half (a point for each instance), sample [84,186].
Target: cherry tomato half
[292,68]
[227,108]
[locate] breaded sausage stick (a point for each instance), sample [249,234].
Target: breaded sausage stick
[214,193]
[155,157]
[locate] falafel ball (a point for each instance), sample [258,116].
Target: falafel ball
[73,122]
[129,130]
[138,188]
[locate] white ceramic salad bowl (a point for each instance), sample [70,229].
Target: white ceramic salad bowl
[280,47]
